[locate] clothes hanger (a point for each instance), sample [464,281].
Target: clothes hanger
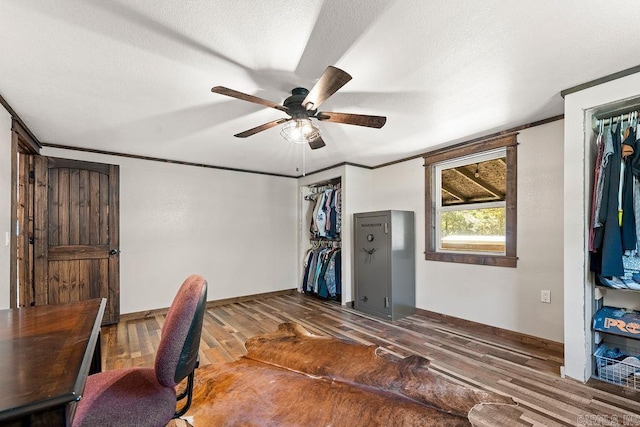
[627,150]
[600,126]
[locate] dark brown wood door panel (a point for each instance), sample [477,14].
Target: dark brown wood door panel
[77,233]
[24,218]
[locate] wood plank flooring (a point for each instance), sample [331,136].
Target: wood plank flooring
[476,359]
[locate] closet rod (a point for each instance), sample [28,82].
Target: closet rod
[611,119]
[320,188]
[332,181]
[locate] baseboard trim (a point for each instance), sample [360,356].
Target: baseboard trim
[542,343]
[210,304]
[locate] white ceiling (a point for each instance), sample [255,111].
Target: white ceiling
[136,76]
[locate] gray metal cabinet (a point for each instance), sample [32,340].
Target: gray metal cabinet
[384,263]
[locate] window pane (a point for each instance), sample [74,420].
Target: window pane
[473,230]
[476,182]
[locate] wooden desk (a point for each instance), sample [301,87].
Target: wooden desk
[46,353]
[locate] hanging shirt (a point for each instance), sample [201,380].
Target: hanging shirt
[607,141]
[628,221]
[321,217]
[330,275]
[607,261]
[311,277]
[338,205]
[307,264]
[596,197]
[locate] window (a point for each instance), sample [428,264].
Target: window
[471,203]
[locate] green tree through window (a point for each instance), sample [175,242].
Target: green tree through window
[480,222]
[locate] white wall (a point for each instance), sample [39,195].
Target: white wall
[5,204]
[577,167]
[357,197]
[507,298]
[236,229]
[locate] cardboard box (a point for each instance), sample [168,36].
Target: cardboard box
[617,321]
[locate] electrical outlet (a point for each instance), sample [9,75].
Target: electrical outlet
[545,296]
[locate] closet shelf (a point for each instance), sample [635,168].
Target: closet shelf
[616,290]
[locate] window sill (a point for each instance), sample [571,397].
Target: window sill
[493,260]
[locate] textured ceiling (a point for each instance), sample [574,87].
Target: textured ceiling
[135,77]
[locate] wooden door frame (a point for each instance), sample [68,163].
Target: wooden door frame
[24,144]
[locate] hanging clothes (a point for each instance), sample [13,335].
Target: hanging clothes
[634,164]
[635,170]
[328,202]
[323,272]
[309,264]
[321,216]
[325,216]
[338,207]
[614,218]
[596,201]
[628,222]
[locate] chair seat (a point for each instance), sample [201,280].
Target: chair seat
[147,403]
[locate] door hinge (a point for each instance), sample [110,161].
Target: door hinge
[32,174]
[31,240]
[386,228]
[386,302]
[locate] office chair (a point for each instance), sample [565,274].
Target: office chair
[147,396]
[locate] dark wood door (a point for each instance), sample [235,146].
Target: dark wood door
[24,219]
[76,233]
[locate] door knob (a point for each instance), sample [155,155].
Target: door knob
[364,299]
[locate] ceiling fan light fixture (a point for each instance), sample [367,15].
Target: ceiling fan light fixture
[303,105]
[299,131]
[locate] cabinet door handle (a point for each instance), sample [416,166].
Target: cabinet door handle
[364,299]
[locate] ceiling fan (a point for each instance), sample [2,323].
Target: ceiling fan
[302,106]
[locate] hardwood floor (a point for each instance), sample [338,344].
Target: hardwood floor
[475,358]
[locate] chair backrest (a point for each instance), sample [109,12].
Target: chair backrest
[177,354]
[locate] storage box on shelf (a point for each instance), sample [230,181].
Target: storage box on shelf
[617,321]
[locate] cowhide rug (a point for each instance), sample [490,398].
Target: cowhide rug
[294,378]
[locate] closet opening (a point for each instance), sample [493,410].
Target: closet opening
[613,236]
[322,228]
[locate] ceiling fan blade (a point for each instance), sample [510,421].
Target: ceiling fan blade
[352,119]
[246,97]
[331,80]
[317,143]
[260,128]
